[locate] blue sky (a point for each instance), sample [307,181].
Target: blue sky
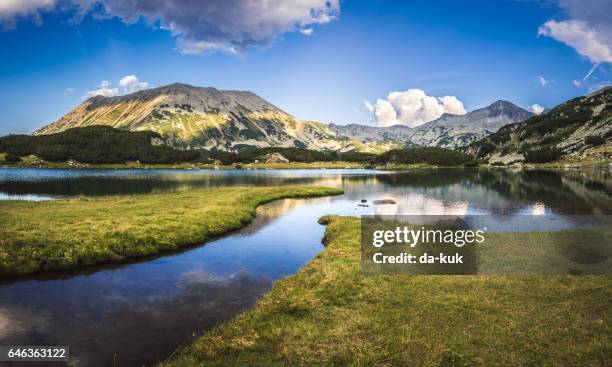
[54,52]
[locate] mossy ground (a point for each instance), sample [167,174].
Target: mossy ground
[331,314]
[71,233]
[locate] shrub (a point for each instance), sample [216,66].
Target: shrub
[594,140]
[97,145]
[542,155]
[428,155]
[10,157]
[486,147]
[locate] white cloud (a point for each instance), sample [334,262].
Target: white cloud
[578,35]
[190,47]
[543,81]
[587,29]
[452,105]
[536,108]
[577,83]
[105,92]
[413,108]
[68,91]
[131,84]
[199,26]
[307,31]
[368,106]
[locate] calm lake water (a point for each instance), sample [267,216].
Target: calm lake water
[138,313]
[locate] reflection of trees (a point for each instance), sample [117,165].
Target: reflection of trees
[507,192]
[140,329]
[94,186]
[428,178]
[565,192]
[450,186]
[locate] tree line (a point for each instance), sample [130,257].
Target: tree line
[95,145]
[107,145]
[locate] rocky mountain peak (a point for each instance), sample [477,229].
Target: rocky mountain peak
[506,108]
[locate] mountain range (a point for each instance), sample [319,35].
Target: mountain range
[189,117]
[453,131]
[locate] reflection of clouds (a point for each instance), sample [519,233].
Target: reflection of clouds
[417,204]
[538,209]
[17,321]
[139,332]
[195,277]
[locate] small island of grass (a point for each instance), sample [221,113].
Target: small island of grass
[72,233]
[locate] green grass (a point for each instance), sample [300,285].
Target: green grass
[330,314]
[71,233]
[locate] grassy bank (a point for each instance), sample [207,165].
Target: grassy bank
[71,233]
[331,314]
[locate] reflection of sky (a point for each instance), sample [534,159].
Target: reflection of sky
[535,209]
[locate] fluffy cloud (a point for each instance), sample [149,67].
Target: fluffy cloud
[201,26]
[412,108]
[543,81]
[105,92]
[129,84]
[588,30]
[536,108]
[578,35]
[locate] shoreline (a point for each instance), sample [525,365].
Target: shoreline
[560,165]
[201,166]
[330,313]
[76,233]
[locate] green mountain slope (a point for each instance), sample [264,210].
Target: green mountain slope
[578,129]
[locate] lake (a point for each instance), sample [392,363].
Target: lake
[140,312]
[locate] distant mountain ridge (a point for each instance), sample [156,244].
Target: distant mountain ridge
[453,131]
[189,117]
[447,131]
